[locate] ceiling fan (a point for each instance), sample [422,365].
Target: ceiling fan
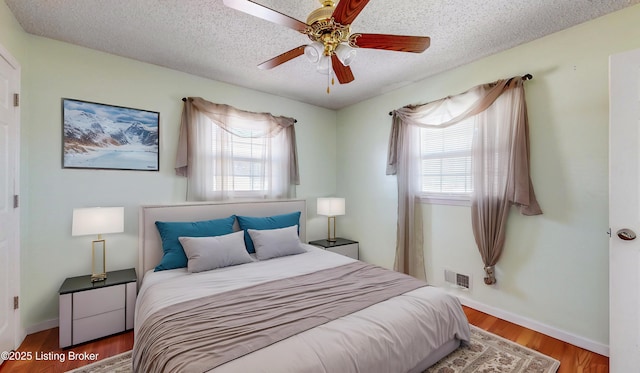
[332,43]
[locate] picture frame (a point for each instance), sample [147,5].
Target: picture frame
[110,137]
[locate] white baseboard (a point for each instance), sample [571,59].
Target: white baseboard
[562,335]
[22,334]
[47,324]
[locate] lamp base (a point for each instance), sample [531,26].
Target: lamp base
[96,277]
[100,264]
[330,237]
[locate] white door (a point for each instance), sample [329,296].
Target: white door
[624,212]
[9,218]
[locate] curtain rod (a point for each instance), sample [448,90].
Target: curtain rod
[524,77]
[185,100]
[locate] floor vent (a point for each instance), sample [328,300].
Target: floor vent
[457,279]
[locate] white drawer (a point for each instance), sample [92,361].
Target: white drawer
[98,326]
[96,301]
[350,250]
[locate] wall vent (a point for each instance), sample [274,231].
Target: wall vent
[458,280]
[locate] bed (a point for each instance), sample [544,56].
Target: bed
[315,311]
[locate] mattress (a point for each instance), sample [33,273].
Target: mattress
[400,334]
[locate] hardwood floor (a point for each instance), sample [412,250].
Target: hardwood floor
[46,342]
[572,359]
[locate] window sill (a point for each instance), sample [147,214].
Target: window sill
[446,200]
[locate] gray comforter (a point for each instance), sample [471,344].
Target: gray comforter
[239,328]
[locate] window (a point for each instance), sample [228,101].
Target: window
[227,153]
[445,163]
[247,156]
[247,164]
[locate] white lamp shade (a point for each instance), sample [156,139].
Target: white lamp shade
[331,206]
[346,54]
[97,220]
[314,51]
[324,65]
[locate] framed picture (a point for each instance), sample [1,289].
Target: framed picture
[100,136]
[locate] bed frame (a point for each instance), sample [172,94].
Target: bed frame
[150,245]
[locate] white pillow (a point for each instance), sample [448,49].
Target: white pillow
[206,253]
[272,243]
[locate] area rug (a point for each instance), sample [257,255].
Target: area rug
[486,353]
[117,364]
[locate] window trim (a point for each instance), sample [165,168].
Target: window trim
[446,199]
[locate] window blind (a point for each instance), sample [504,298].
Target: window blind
[249,157]
[446,159]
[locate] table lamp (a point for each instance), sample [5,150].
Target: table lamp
[98,220]
[331,207]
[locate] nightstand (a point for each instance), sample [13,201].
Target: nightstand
[341,246]
[91,310]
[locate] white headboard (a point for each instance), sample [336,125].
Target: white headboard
[150,245]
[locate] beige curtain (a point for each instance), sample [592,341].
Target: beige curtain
[500,143]
[404,161]
[208,147]
[500,163]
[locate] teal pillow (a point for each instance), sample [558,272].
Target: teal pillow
[174,256]
[268,222]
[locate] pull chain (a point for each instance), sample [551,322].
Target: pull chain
[328,79]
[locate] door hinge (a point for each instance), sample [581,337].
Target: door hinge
[16,99]
[16,201]
[16,303]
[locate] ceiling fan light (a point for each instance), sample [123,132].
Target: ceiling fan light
[324,65]
[346,54]
[314,51]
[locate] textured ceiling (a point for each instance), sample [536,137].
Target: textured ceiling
[205,38]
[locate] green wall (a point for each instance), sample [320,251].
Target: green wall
[11,34]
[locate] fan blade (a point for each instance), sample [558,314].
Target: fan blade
[284,57]
[347,10]
[343,73]
[399,43]
[265,13]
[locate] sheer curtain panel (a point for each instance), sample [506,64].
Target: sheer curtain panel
[500,164]
[227,153]
[500,167]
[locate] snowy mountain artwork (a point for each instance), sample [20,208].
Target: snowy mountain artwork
[109,137]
